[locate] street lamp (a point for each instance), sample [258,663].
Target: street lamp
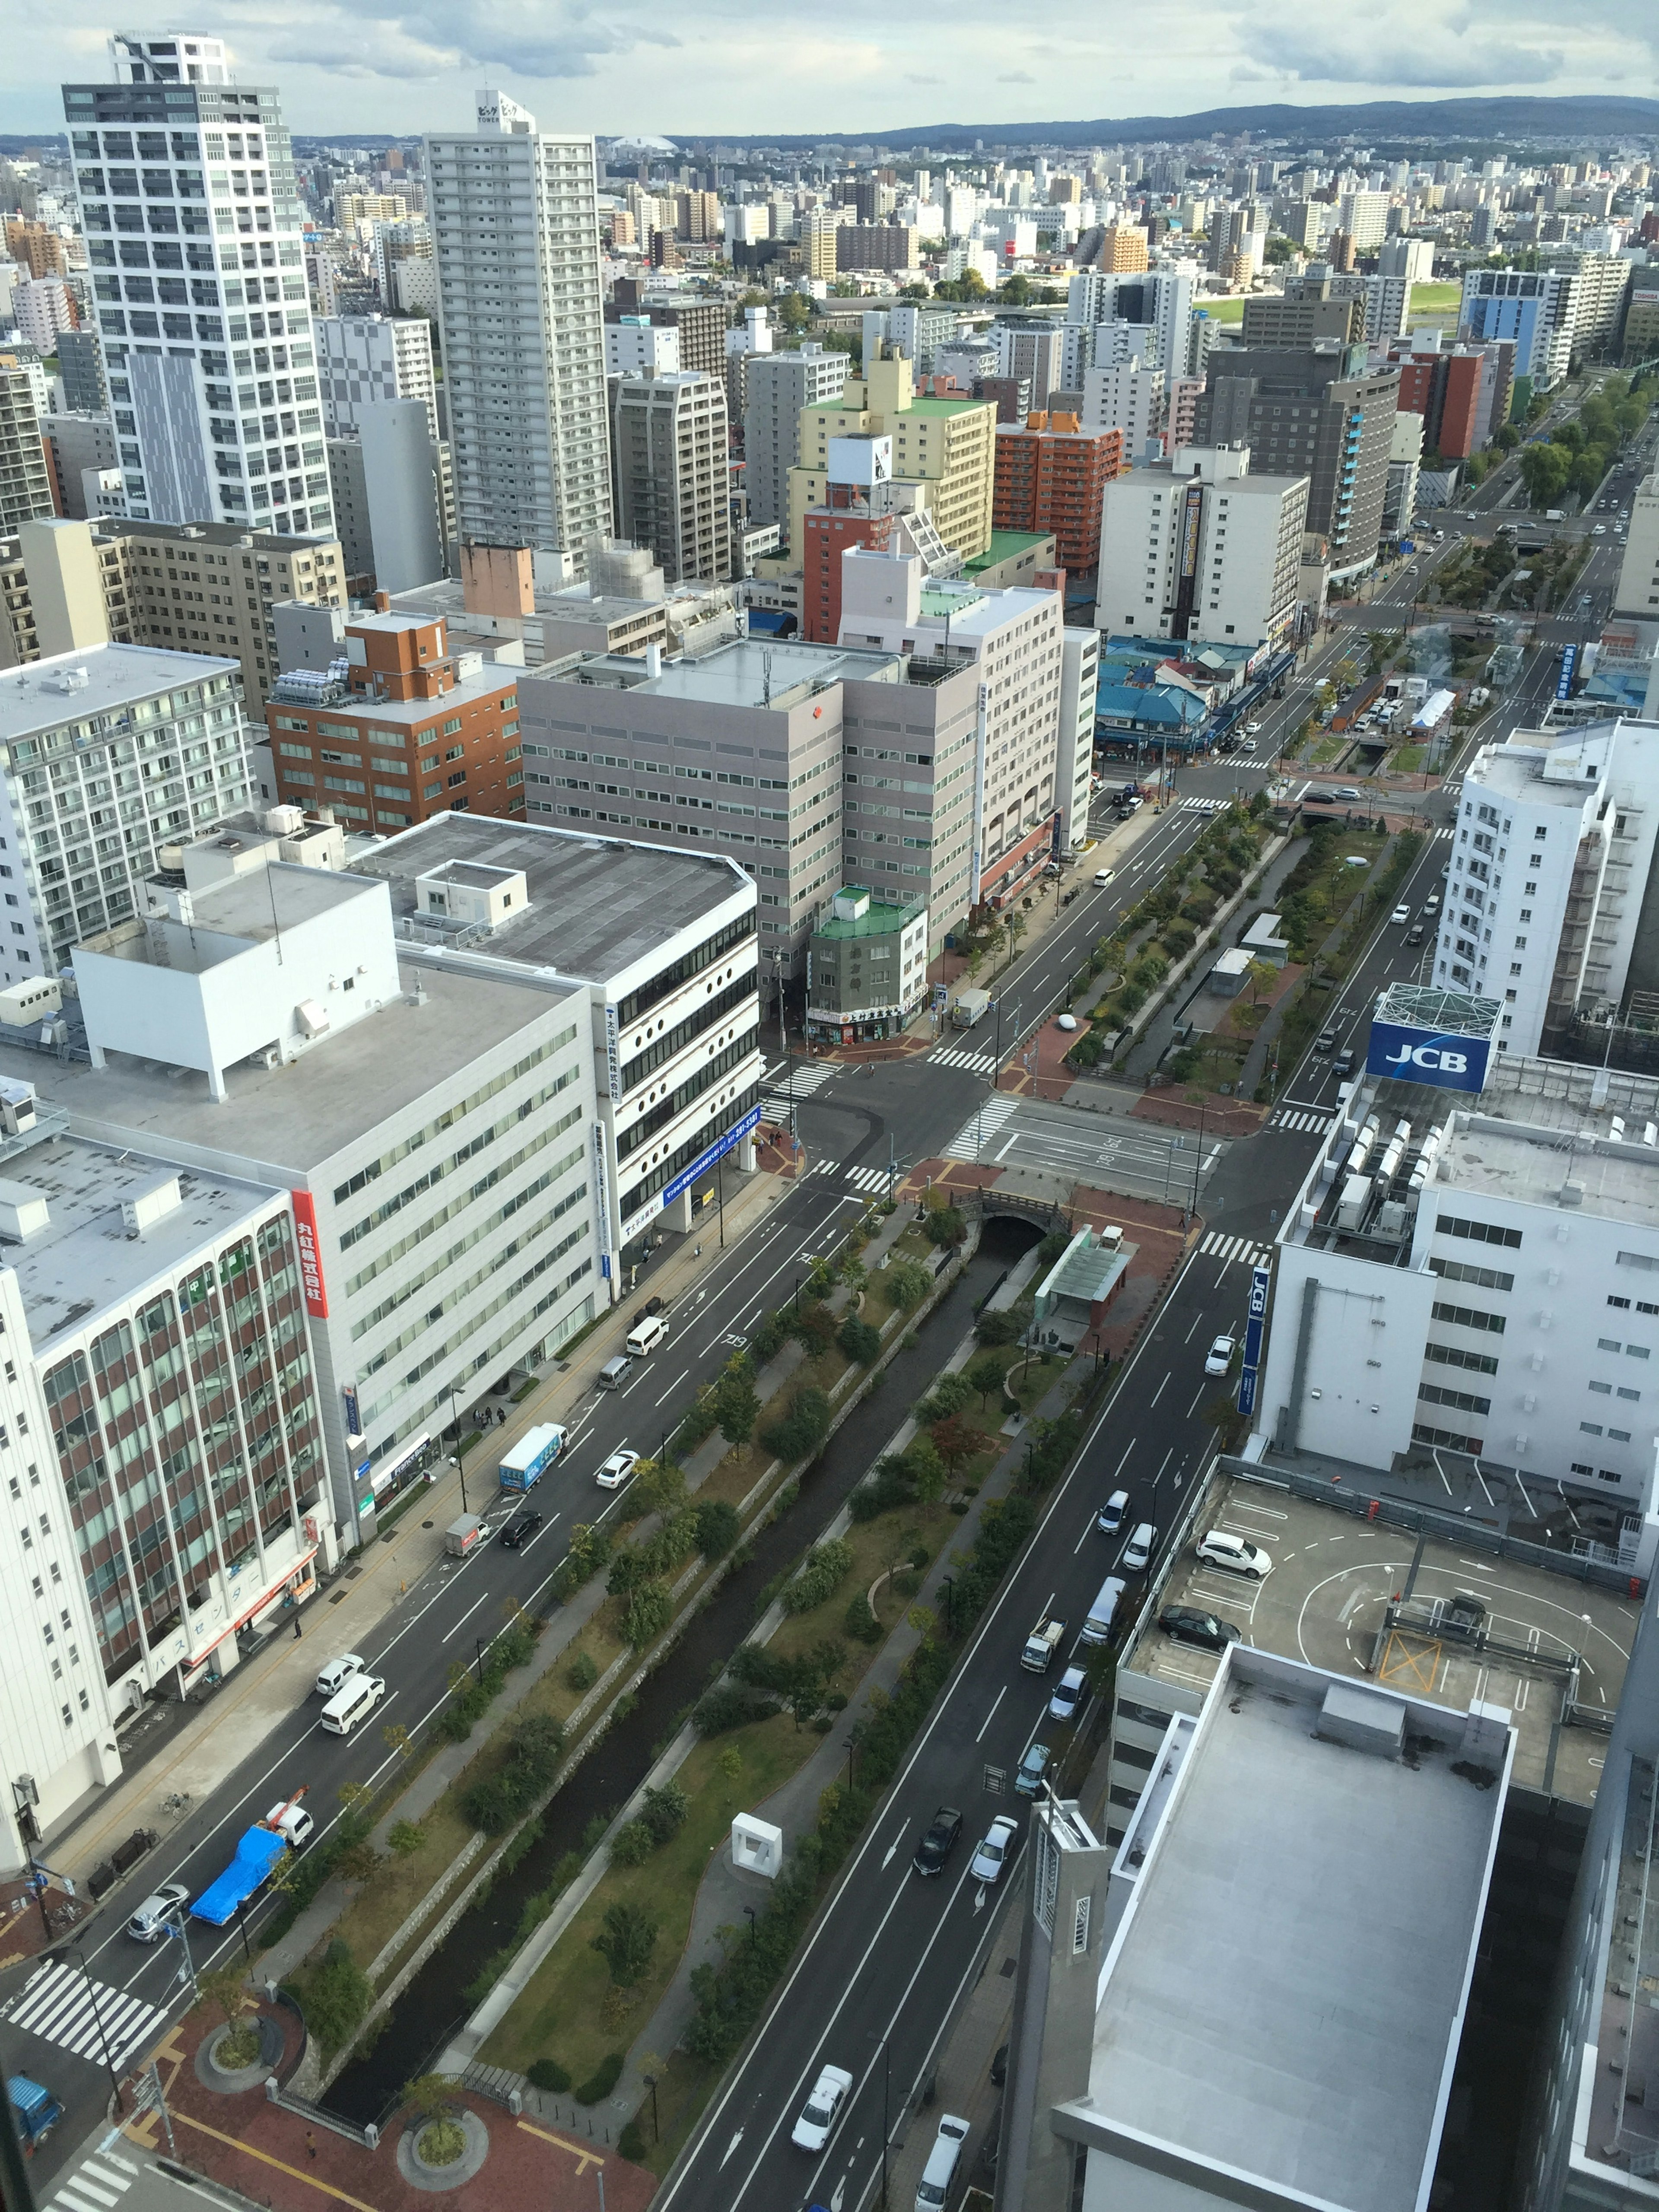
[482,1644]
[455,1412]
[886,2093]
[948,1585]
[656,2130]
[56,1956]
[754,1932]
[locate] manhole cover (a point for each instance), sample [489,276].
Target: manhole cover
[427,1524]
[352,1573]
[338,1598]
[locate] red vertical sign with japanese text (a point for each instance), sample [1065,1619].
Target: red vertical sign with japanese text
[311,1265]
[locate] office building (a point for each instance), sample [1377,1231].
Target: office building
[633,344]
[62,586]
[1411,258]
[1427,1303]
[1641,324]
[916,328]
[24,476]
[866,970]
[1075,748]
[1301,316]
[1535,310]
[1549,871]
[1463,392]
[194,236]
[42,306]
[1127,396]
[700,325]
[1033,350]
[885,245]
[387,497]
[77,445]
[1051,472]
[514,217]
[1637,589]
[408,729]
[781,386]
[364,359]
[1320,413]
[1256,1791]
[1405,466]
[1203,548]
[405,245]
[668,447]
[80,371]
[113,752]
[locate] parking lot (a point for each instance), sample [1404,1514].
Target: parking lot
[1324,1602]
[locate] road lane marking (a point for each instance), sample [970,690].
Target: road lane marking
[672,1387]
[991,1715]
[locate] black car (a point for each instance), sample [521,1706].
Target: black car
[936,1846]
[1188,1625]
[519,1530]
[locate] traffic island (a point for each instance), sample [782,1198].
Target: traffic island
[440,2155]
[270,2054]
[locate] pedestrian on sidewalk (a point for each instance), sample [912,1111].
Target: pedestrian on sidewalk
[297,1631]
[310,2142]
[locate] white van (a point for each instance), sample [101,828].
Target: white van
[1103,1612]
[943,2160]
[614,1373]
[643,1341]
[359,1698]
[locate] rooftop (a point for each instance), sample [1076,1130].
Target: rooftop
[1286,1990]
[879,918]
[83,1260]
[745,672]
[48,693]
[213,533]
[597,906]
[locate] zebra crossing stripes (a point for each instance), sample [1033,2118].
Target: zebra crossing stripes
[63,2006]
[1244,1250]
[859,1178]
[980,1063]
[977,1131]
[97,2185]
[779,1085]
[1445,831]
[1283,1120]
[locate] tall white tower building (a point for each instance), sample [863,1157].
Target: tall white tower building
[193,228]
[514,217]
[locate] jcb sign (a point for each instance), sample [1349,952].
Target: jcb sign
[1445,1063]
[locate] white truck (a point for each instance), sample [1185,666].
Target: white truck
[1041,1644]
[969,1005]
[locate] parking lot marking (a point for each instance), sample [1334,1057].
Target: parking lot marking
[1408,1659]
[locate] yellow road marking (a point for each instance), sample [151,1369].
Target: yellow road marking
[183,2120]
[583,2154]
[1415,1662]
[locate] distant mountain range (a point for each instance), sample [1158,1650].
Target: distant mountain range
[1592,117]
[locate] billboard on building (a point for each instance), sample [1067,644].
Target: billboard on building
[1441,1059]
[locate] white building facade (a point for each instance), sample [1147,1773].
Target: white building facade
[361,359]
[1201,549]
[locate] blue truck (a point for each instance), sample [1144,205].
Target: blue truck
[261,1850]
[531,1457]
[38,2110]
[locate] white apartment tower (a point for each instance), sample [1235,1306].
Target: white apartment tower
[361,359]
[1201,549]
[514,215]
[193,229]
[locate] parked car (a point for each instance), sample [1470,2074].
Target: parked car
[813,2129]
[1068,1694]
[519,1530]
[1188,1625]
[1032,1768]
[1138,1551]
[998,1848]
[1109,1519]
[617,1468]
[337,1673]
[1219,1356]
[1235,1555]
[1346,792]
[943,1834]
[149,1923]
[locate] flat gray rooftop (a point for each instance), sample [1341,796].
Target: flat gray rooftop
[597,904]
[745,671]
[31,699]
[1617,1180]
[83,1262]
[286,1120]
[1286,1993]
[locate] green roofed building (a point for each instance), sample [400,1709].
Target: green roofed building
[867,970]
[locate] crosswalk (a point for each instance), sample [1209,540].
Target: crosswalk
[1444,832]
[977,1131]
[779,1085]
[1245,1250]
[859,1178]
[1285,1119]
[61,2004]
[944,1055]
[97,2185]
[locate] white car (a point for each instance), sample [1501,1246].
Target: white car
[1109,1519]
[1068,1694]
[1253,729]
[1234,1554]
[1402,914]
[337,1673]
[1138,1551]
[816,2122]
[995,1853]
[149,1923]
[1219,1358]
[617,1469]
[1067,1022]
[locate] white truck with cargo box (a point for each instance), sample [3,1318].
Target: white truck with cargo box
[968,1007]
[462,1535]
[1041,1644]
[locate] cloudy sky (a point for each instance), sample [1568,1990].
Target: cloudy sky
[853,68]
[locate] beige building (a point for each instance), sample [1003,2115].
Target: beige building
[817,245]
[670,464]
[206,589]
[946,448]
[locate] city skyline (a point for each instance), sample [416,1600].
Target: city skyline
[636,71]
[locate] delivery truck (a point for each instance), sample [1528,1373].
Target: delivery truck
[531,1457]
[968,1007]
[261,1849]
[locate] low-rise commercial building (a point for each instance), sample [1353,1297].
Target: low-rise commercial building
[866,973]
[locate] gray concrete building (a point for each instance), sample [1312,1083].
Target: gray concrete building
[780,385]
[670,471]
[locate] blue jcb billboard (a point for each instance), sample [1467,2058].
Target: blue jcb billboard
[1413,1055]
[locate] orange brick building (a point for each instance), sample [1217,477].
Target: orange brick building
[1050,476]
[413,730]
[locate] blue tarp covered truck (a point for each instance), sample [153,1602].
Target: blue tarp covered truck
[257,1855]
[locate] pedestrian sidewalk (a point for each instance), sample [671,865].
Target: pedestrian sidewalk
[399,1568]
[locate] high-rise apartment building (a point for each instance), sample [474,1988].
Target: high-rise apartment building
[1051,472]
[1297,318]
[361,359]
[1125,396]
[36,246]
[634,343]
[1161,301]
[81,368]
[1122,250]
[668,444]
[514,218]
[194,238]
[43,306]
[24,476]
[1032,349]
[914,328]
[780,384]
[1536,309]
[1364,216]
[1320,413]
[1201,549]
